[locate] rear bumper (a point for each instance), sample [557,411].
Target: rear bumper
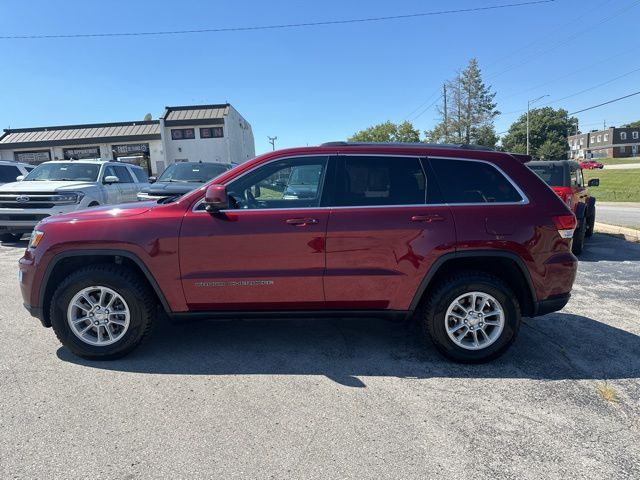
[552,304]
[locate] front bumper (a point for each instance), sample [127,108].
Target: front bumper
[22,220]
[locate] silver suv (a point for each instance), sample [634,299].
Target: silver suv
[10,171]
[63,186]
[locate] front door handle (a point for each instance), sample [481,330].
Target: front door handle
[302,222]
[427,218]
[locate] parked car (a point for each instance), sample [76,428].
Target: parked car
[181,178]
[465,240]
[10,171]
[591,165]
[566,179]
[63,186]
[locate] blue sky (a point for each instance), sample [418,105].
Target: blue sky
[315,84]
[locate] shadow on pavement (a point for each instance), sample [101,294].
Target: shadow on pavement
[22,244]
[605,248]
[554,347]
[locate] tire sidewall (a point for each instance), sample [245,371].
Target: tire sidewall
[444,343]
[120,285]
[578,237]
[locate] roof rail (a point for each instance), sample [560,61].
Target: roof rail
[462,146]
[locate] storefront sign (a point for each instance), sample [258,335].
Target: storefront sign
[119,150]
[33,157]
[213,132]
[82,152]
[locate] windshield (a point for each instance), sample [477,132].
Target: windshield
[552,174]
[61,171]
[192,172]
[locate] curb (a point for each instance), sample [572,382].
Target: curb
[628,234]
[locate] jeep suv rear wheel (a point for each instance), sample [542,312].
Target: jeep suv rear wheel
[471,317]
[102,312]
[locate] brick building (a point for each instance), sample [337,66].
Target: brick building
[612,142]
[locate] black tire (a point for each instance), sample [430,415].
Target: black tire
[591,220]
[10,237]
[431,316]
[578,237]
[137,294]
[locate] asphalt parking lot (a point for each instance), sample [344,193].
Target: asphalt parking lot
[332,398]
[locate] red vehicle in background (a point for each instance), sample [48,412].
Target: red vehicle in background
[591,165]
[566,179]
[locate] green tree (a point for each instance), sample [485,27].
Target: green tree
[468,113]
[548,132]
[388,132]
[635,124]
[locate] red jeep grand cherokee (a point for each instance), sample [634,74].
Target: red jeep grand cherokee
[464,239]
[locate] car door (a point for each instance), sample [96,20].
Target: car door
[127,186]
[386,228]
[112,191]
[267,251]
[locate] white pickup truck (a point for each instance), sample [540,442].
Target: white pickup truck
[63,186]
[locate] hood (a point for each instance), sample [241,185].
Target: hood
[169,188]
[100,213]
[45,186]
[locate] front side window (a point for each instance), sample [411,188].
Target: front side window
[580,178]
[61,171]
[379,181]
[123,174]
[470,181]
[140,175]
[287,183]
[9,173]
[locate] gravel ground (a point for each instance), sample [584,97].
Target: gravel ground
[332,398]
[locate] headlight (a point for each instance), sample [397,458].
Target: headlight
[68,197]
[36,238]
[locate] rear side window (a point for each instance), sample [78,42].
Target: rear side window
[8,173]
[465,181]
[371,181]
[140,175]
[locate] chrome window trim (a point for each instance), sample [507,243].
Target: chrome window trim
[524,201]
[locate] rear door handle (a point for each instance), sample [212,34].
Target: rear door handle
[302,222]
[427,218]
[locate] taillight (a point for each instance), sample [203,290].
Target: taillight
[565,193]
[565,224]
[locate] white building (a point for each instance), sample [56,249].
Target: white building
[208,133]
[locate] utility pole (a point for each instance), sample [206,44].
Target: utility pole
[272,141]
[529,103]
[446,122]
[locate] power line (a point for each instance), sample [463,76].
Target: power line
[273,27]
[605,103]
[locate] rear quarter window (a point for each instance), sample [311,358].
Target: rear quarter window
[470,181]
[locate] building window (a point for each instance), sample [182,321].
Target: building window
[599,138]
[635,135]
[183,133]
[581,142]
[623,149]
[213,132]
[34,157]
[623,135]
[606,137]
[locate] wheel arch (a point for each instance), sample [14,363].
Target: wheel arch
[505,265]
[65,262]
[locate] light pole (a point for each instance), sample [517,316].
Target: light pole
[272,141]
[529,103]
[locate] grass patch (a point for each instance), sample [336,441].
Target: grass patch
[616,185]
[618,161]
[607,392]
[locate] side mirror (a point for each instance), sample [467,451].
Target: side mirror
[153,179]
[216,198]
[111,179]
[594,182]
[19,178]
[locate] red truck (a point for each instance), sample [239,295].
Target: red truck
[566,179]
[464,240]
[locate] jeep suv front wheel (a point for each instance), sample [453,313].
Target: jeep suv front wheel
[102,312]
[471,317]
